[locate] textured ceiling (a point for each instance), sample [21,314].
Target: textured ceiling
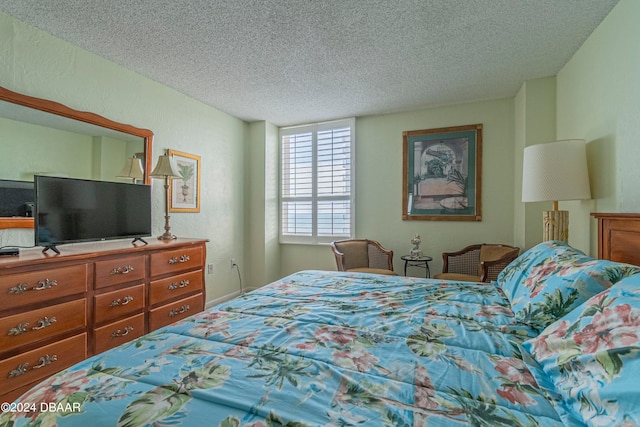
[292,62]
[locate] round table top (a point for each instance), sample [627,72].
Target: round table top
[414,258]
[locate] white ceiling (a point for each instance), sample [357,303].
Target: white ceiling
[300,61]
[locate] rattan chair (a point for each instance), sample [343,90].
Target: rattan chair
[363,255]
[477,263]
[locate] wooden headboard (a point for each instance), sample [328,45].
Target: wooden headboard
[619,237]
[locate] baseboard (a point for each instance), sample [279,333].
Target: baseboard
[225,298]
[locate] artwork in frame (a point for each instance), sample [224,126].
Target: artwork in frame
[184,194]
[442,174]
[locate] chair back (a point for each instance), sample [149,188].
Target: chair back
[352,254]
[464,261]
[482,262]
[492,252]
[361,253]
[497,258]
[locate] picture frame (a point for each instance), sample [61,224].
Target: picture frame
[184,194]
[442,174]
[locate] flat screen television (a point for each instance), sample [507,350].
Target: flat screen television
[16,198]
[69,210]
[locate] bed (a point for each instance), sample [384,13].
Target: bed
[553,342]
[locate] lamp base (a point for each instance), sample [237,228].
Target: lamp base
[167,236]
[555,225]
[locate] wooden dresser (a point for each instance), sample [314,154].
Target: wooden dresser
[619,237]
[56,310]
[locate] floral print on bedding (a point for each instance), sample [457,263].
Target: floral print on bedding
[552,278]
[316,349]
[592,356]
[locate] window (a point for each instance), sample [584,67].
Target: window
[316,179]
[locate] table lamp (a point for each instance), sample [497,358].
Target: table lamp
[165,169]
[555,171]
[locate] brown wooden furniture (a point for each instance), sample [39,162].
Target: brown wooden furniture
[477,263]
[619,237]
[363,255]
[56,310]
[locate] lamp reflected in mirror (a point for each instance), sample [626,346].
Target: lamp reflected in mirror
[166,169]
[132,169]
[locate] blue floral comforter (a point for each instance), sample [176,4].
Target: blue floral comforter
[314,349]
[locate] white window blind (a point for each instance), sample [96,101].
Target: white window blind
[316,178]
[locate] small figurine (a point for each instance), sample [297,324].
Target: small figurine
[415,251]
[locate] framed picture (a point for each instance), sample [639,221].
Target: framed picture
[442,174]
[184,194]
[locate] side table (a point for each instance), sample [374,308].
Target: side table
[422,262]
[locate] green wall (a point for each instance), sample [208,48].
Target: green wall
[24,154]
[535,123]
[261,202]
[599,100]
[379,186]
[29,149]
[37,64]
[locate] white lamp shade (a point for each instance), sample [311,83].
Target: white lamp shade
[132,169]
[555,171]
[165,168]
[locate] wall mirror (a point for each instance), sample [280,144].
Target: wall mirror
[39,136]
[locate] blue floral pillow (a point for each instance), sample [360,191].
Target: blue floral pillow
[592,356]
[551,279]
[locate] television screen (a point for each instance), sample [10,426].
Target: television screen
[16,198]
[76,210]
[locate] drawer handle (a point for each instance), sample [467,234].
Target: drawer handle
[45,284]
[45,360]
[20,329]
[20,370]
[183,284]
[24,327]
[44,322]
[22,287]
[42,285]
[122,270]
[176,311]
[24,368]
[126,300]
[175,259]
[122,333]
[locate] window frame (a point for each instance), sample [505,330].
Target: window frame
[315,128]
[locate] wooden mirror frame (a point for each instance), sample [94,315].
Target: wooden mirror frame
[83,116]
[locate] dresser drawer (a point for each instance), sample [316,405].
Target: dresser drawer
[169,313]
[119,270]
[35,325]
[176,260]
[175,286]
[42,362]
[118,303]
[117,333]
[17,290]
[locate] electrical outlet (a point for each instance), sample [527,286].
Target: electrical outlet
[233,263]
[209,268]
